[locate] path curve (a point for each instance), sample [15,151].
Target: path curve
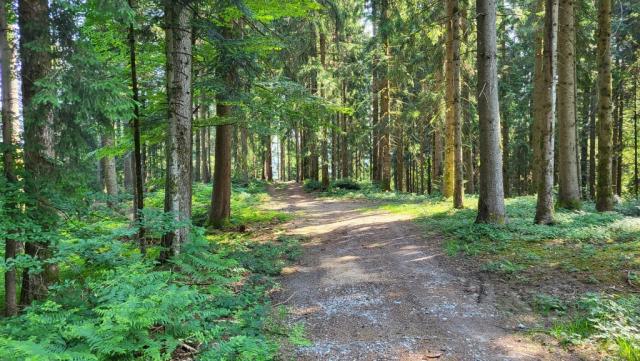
[371,286]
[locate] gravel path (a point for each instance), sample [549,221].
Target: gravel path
[372,286]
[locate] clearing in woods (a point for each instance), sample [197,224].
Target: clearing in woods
[372,285]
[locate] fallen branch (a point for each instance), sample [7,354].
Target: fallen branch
[287,300]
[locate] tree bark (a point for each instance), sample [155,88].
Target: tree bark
[385,118]
[10,138]
[138,154]
[178,173]
[437,154]
[109,167]
[592,146]
[244,148]
[545,116]
[569,185]
[267,173]
[375,112]
[619,150]
[220,210]
[491,201]
[454,164]
[33,18]
[197,167]
[452,86]
[635,137]
[604,194]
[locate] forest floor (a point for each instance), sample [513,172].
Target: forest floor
[374,285]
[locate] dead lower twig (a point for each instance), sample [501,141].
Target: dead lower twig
[287,300]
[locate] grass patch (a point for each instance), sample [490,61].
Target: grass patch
[605,321]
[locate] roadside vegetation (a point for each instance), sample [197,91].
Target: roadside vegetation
[212,300]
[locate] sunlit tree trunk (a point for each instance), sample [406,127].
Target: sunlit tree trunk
[385,117]
[569,185]
[453,181]
[375,110]
[325,133]
[220,210]
[267,173]
[39,153]
[491,201]
[604,194]
[178,172]
[437,154]
[545,116]
[344,139]
[10,112]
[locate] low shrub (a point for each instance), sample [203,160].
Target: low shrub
[346,183]
[312,185]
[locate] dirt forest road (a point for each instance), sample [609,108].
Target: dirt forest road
[372,286]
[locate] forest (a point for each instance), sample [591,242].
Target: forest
[319,180]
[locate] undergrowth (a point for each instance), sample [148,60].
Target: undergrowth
[113,303]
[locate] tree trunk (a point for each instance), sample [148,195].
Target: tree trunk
[220,210]
[538,96]
[385,117]
[205,141]
[635,137]
[10,112]
[128,171]
[614,157]
[178,173]
[620,142]
[197,167]
[453,164]
[604,194]
[267,173]
[401,183]
[545,116]
[437,154]
[569,185]
[344,142]
[592,146]
[33,16]
[244,148]
[109,167]
[504,118]
[491,201]
[283,160]
[299,177]
[584,144]
[375,113]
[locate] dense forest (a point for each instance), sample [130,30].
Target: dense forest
[157,155]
